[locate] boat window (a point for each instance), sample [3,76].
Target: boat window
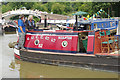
[119,28]
[88,27]
[72,25]
[95,26]
[111,24]
[69,25]
[106,24]
[64,24]
[102,24]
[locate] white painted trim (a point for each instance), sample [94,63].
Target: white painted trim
[91,35]
[50,34]
[16,51]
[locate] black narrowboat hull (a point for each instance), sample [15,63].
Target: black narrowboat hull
[107,63]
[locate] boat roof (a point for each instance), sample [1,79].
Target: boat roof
[96,20]
[84,22]
[103,20]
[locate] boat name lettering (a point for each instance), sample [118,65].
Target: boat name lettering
[41,37]
[53,40]
[32,37]
[36,36]
[47,38]
[47,34]
[64,37]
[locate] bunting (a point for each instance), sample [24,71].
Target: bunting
[94,15]
[100,11]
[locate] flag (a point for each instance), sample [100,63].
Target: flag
[88,16]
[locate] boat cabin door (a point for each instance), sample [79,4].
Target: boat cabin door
[82,42]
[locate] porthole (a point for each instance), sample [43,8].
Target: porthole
[36,42]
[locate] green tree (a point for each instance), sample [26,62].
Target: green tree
[6,8]
[40,6]
[66,8]
[58,8]
[86,7]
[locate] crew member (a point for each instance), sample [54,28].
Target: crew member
[21,32]
[30,23]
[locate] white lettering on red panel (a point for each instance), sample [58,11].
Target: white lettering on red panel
[61,37]
[53,40]
[28,38]
[32,37]
[40,45]
[41,37]
[47,38]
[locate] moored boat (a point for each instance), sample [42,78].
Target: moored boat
[91,44]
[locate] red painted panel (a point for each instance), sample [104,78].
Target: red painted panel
[97,48]
[52,42]
[17,56]
[90,43]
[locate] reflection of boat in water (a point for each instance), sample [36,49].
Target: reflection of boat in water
[34,70]
[93,45]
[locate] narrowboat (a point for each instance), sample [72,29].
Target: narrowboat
[91,44]
[1,28]
[10,27]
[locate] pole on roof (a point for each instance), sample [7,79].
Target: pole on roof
[45,21]
[76,23]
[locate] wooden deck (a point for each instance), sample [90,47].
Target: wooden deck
[116,53]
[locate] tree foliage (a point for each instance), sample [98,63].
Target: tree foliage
[66,8]
[58,8]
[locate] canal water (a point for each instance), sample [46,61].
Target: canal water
[12,68]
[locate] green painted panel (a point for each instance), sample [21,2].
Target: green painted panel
[85,44]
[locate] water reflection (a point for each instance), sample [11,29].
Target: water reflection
[35,70]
